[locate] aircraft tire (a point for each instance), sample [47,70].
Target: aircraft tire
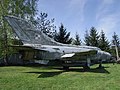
[66,67]
[86,67]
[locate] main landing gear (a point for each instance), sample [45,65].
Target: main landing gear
[87,65]
[100,64]
[65,67]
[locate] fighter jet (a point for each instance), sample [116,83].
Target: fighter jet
[42,49]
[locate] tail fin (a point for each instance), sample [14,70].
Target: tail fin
[27,33]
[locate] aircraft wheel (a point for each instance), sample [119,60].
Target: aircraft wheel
[100,64]
[65,67]
[86,68]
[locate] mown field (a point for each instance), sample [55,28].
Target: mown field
[52,78]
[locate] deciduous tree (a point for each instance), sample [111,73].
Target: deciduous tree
[20,8]
[115,40]
[45,25]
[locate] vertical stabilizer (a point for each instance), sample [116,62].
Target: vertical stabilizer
[27,33]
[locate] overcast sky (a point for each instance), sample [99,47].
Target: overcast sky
[81,15]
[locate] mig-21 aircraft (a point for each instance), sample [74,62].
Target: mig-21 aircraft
[41,48]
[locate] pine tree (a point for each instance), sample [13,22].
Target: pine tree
[103,42]
[93,37]
[62,36]
[86,40]
[77,40]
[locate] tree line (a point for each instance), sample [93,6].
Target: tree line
[91,38]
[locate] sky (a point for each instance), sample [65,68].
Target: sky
[80,15]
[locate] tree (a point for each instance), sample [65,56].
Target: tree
[93,37]
[62,36]
[3,37]
[77,40]
[45,25]
[86,40]
[115,45]
[22,8]
[115,40]
[103,42]
[19,8]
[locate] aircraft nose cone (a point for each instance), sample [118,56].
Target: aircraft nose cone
[108,55]
[105,55]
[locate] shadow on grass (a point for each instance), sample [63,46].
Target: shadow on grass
[47,74]
[93,70]
[55,73]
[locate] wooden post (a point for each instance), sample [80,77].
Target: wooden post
[117,53]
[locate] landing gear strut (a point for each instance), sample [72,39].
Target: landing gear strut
[87,65]
[100,64]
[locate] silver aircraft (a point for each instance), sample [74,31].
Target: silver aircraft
[39,47]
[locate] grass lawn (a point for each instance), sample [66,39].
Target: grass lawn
[47,78]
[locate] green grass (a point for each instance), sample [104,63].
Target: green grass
[47,78]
